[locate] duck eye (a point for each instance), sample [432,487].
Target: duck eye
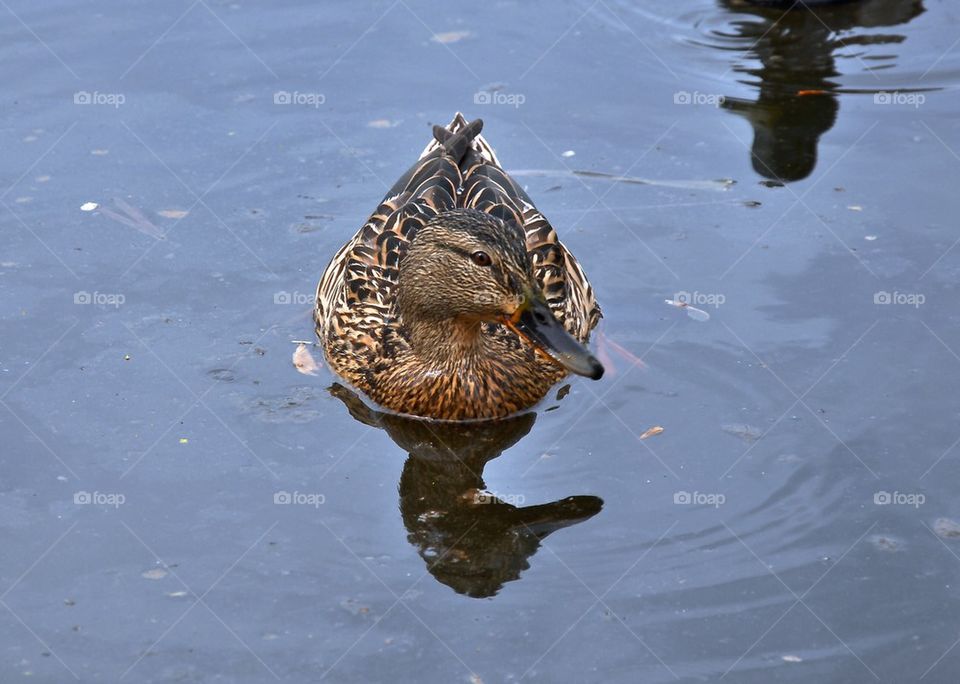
[481,258]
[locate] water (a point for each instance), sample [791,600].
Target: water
[153,377]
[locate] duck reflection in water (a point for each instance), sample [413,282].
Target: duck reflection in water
[471,541]
[795,44]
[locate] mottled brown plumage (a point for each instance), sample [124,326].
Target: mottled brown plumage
[409,313]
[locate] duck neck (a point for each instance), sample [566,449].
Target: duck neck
[447,342]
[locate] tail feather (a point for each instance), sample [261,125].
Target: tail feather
[474,140]
[456,144]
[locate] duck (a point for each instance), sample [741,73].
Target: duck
[456,300]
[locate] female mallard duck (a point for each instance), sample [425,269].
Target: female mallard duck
[456,300]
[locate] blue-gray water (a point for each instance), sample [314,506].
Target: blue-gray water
[145,354]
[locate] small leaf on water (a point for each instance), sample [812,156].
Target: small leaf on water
[303,360]
[655,430]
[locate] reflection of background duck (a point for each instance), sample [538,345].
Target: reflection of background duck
[796,54]
[471,541]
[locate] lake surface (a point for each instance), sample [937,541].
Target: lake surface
[178,503]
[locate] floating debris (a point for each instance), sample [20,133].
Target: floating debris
[448,37]
[155,574]
[946,528]
[173,213]
[791,659]
[655,430]
[382,123]
[134,218]
[568,153]
[303,360]
[855,207]
[884,543]
[692,311]
[354,607]
[747,433]
[869,238]
[88,206]
[184,440]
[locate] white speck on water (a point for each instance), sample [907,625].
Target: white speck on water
[382,123]
[870,238]
[88,206]
[568,153]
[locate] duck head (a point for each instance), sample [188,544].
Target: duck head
[465,267]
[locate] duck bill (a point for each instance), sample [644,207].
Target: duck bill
[535,322]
